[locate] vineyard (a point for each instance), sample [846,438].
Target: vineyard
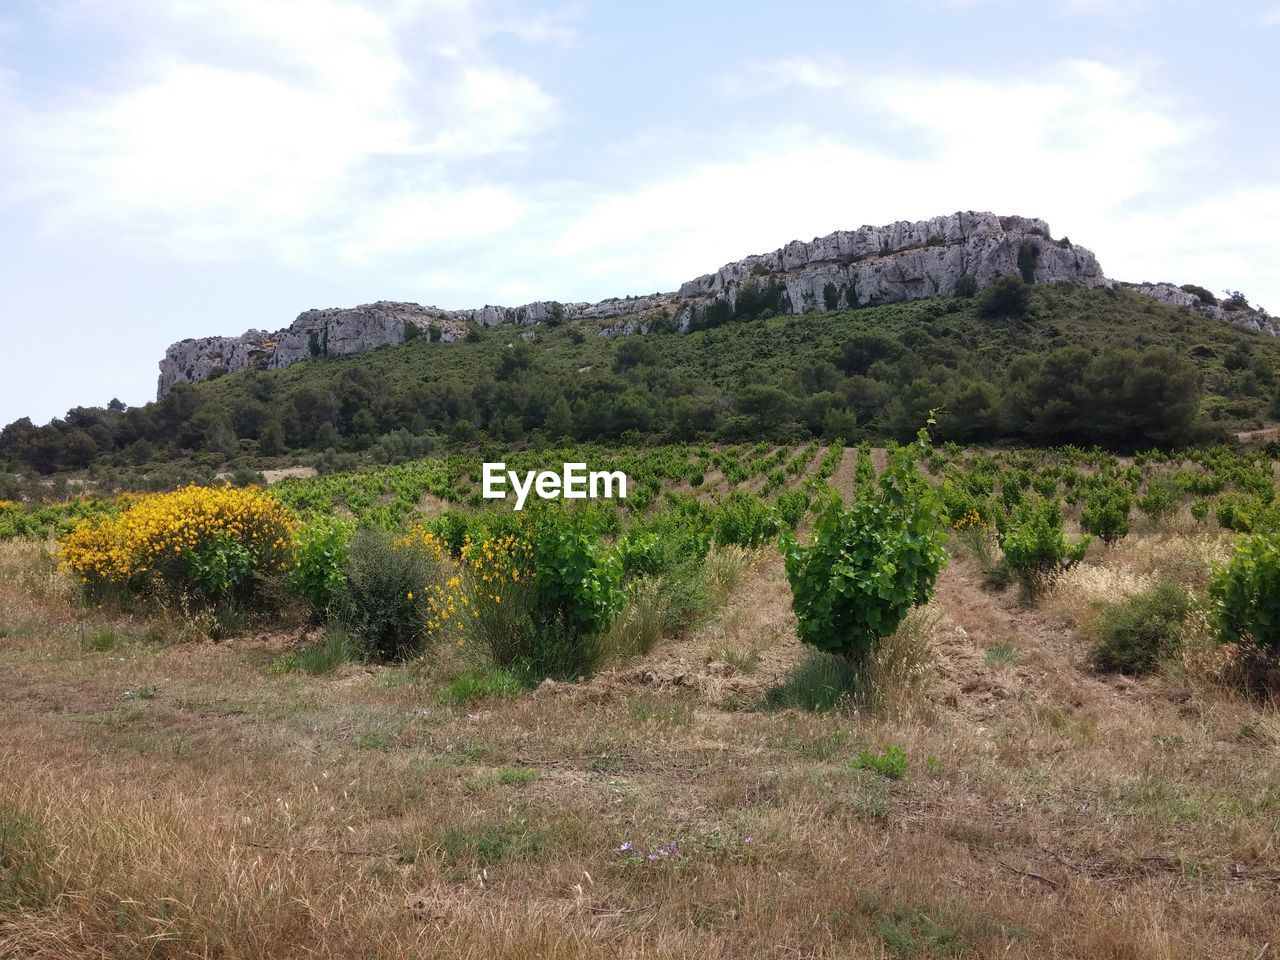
[1036,684]
[1236,488]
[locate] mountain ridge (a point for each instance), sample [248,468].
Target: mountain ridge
[870,266]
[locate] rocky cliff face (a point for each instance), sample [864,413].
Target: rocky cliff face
[343,330]
[849,268]
[1242,316]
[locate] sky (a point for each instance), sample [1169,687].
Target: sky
[183,168]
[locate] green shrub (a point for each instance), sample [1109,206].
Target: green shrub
[1246,593]
[871,562]
[578,581]
[382,598]
[791,507]
[1134,634]
[1035,547]
[1106,512]
[542,597]
[1007,298]
[745,520]
[319,560]
[221,567]
[1160,498]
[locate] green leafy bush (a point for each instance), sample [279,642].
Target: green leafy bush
[1007,298]
[319,560]
[1246,593]
[871,562]
[1035,547]
[221,567]
[382,598]
[578,582]
[1159,498]
[791,507]
[1106,512]
[745,520]
[1134,634]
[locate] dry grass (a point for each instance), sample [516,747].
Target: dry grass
[181,802]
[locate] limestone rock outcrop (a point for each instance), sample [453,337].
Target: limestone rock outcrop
[848,268]
[1241,315]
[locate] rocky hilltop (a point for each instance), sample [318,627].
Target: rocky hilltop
[849,268]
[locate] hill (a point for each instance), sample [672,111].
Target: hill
[1018,363]
[1015,335]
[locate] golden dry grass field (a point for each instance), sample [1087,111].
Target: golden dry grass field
[162,799]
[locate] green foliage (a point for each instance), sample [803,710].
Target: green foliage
[578,587]
[891,762]
[382,597]
[1035,547]
[1028,257]
[1008,298]
[221,568]
[745,520]
[1202,293]
[1160,498]
[320,658]
[1133,635]
[868,563]
[1106,512]
[1027,382]
[320,559]
[790,507]
[1246,593]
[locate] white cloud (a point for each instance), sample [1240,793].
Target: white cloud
[238,123]
[1092,148]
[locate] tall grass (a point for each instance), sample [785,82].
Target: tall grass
[896,670]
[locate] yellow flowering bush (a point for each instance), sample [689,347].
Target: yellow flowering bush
[969,520]
[487,600]
[209,538]
[533,597]
[433,543]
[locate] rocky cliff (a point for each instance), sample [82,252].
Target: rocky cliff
[849,268]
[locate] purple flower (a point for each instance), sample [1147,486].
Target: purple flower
[746,839]
[652,857]
[626,847]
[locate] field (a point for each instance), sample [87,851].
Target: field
[1007,791]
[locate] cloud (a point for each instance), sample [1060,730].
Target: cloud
[1095,149]
[234,124]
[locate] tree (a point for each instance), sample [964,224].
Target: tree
[559,422]
[1007,299]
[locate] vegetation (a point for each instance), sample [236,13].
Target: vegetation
[870,562]
[1135,634]
[208,541]
[1039,365]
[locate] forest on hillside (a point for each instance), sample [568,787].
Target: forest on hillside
[1019,364]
